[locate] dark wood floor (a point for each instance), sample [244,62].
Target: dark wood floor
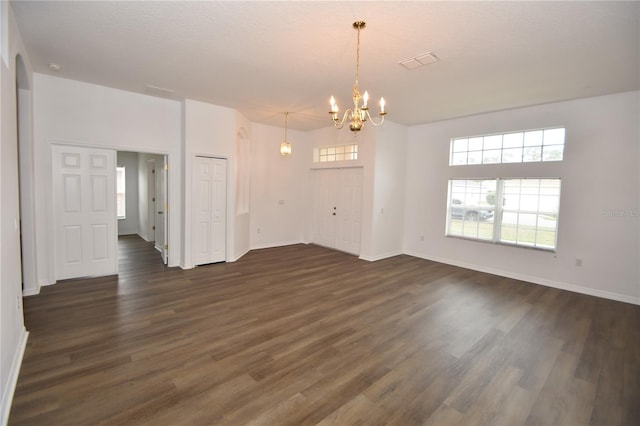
[302,335]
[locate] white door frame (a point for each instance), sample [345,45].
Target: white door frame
[161,209]
[151,200]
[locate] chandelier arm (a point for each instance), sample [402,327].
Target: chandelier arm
[373,121]
[340,124]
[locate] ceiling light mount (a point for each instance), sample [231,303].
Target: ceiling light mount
[358,25]
[359,114]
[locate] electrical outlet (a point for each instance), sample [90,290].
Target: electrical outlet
[258,230]
[421,237]
[578,262]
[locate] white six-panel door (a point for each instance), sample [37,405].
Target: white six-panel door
[84,211]
[350,215]
[210,206]
[325,206]
[337,208]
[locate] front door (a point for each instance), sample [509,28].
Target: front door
[325,207]
[85,221]
[337,208]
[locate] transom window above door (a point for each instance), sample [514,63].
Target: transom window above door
[335,153]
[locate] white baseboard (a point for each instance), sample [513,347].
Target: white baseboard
[381,256]
[31,291]
[534,280]
[235,259]
[144,237]
[272,245]
[12,379]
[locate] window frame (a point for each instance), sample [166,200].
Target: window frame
[330,154]
[499,210]
[123,193]
[486,147]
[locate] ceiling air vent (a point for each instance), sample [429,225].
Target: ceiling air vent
[418,61]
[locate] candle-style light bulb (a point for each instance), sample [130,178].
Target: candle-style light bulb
[381,105]
[334,107]
[365,98]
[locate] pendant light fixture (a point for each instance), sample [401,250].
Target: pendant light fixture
[285,147]
[360,113]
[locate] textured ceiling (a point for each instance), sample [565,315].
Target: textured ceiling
[264,58]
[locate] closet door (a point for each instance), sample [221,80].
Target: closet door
[85,216]
[337,209]
[210,206]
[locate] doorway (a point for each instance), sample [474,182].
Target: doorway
[337,208]
[145,212]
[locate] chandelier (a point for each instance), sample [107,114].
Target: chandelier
[285,147]
[360,113]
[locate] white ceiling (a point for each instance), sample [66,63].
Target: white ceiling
[264,58]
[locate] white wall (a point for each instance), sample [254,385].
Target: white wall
[599,206]
[13,335]
[381,154]
[278,186]
[209,130]
[73,112]
[242,239]
[131,224]
[388,191]
[27,201]
[366,140]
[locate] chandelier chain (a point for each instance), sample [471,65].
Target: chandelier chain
[358,58]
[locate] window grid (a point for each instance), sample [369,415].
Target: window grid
[515,147]
[337,153]
[521,212]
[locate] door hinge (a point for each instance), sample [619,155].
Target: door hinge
[166,247]
[153,170]
[153,228]
[153,199]
[166,167]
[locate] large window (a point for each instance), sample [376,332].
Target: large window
[516,147]
[121,207]
[521,212]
